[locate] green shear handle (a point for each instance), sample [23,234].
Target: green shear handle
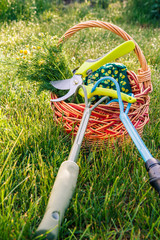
[106,92]
[92,65]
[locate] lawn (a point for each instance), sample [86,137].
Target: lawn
[113,197]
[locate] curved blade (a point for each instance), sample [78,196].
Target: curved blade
[69,94]
[70,84]
[61,84]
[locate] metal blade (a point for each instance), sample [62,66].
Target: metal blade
[69,94]
[70,84]
[61,84]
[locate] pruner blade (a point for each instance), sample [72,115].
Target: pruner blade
[67,84]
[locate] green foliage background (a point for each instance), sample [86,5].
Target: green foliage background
[23,9]
[143,11]
[136,10]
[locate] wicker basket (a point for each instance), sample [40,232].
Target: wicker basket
[104,122]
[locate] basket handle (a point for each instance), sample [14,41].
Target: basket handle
[144,74]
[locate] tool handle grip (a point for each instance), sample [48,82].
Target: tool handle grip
[92,65]
[106,92]
[153,168]
[60,197]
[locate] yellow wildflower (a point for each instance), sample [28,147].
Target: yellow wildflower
[33,47]
[21,51]
[38,47]
[27,46]
[25,52]
[24,57]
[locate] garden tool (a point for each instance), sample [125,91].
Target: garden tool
[66,179]
[89,67]
[152,164]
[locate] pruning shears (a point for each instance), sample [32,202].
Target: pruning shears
[89,67]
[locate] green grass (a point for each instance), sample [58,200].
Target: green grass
[113,198]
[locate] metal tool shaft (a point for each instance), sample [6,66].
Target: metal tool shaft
[73,156]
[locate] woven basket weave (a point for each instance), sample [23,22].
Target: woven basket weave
[104,121]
